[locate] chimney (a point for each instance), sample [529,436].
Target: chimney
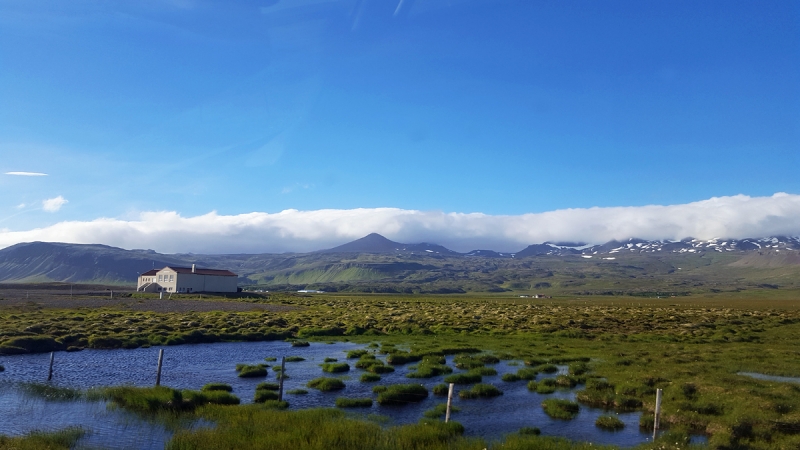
[193,268]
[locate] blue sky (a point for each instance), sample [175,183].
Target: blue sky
[496,107]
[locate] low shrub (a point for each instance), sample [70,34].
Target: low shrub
[326,384]
[267,386]
[330,360]
[611,423]
[344,402]
[300,344]
[541,388]
[297,391]
[294,359]
[335,367]
[560,409]
[270,359]
[401,394]
[378,389]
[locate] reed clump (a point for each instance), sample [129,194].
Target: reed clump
[560,409]
[401,394]
[463,378]
[345,402]
[440,410]
[161,398]
[217,387]
[326,384]
[335,367]
[610,423]
[370,377]
[43,440]
[251,370]
[480,390]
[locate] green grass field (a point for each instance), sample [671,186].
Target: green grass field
[620,349]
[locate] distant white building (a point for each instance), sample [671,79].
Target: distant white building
[187,279]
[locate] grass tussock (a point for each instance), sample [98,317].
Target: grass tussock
[370,377]
[294,359]
[161,398]
[560,409]
[326,384]
[38,440]
[611,423]
[251,370]
[440,410]
[402,394]
[345,402]
[463,378]
[217,387]
[297,392]
[480,390]
[50,392]
[335,367]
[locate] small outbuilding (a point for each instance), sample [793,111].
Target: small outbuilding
[187,280]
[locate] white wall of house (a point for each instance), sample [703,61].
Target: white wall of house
[169,280]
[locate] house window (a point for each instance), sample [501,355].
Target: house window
[171,277]
[159,278]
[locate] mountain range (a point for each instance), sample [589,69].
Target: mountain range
[377,264]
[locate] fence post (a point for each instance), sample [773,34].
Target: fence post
[449,402]
[50,372]
[158,370]
[280,379]
[657,420]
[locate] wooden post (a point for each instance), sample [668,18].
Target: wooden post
[50,372]
[112,294]
[657,421]
[280,379]
[449,402]
[160,361]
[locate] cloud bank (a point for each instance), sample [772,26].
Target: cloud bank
[735,217]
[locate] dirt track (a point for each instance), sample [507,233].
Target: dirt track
[64,296]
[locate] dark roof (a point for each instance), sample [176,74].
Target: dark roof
[217,272]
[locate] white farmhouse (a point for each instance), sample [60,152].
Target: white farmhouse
[187,279]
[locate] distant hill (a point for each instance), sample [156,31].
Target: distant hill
[377,264]
[53,261]
[375,243]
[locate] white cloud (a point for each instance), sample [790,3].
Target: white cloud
[21,206]
[27,174]
[54,204]
[291,230]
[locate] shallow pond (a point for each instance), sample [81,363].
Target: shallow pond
[192,366]
[761,376]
